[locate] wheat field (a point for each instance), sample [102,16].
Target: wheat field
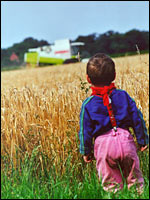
[40,108]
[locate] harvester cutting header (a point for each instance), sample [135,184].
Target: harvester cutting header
[61,52]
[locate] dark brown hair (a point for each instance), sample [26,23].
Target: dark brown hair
[101,69]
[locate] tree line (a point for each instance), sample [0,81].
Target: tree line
[110,42]
[114,43]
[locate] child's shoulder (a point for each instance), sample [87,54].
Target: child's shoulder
[87,100]
[120,91]
[123,94]
[92,101]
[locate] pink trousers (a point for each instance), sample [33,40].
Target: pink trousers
[117,161]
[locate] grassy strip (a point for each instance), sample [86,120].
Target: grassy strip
[128,54]
[25,187]
[10,68]
[24,183]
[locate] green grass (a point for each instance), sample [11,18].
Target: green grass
[79,181]
[10,68]
[128,53]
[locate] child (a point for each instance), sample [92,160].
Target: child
[106,116]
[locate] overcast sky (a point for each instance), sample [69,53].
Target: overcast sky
[52,20]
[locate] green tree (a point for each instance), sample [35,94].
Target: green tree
[19,49]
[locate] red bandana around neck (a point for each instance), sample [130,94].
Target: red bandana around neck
[103,92]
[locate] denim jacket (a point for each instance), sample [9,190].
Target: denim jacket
[94,119]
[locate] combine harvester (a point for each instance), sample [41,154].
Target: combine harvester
[61,52]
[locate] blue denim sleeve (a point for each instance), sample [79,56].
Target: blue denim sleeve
[138,123]
[85,133]
[146,138]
